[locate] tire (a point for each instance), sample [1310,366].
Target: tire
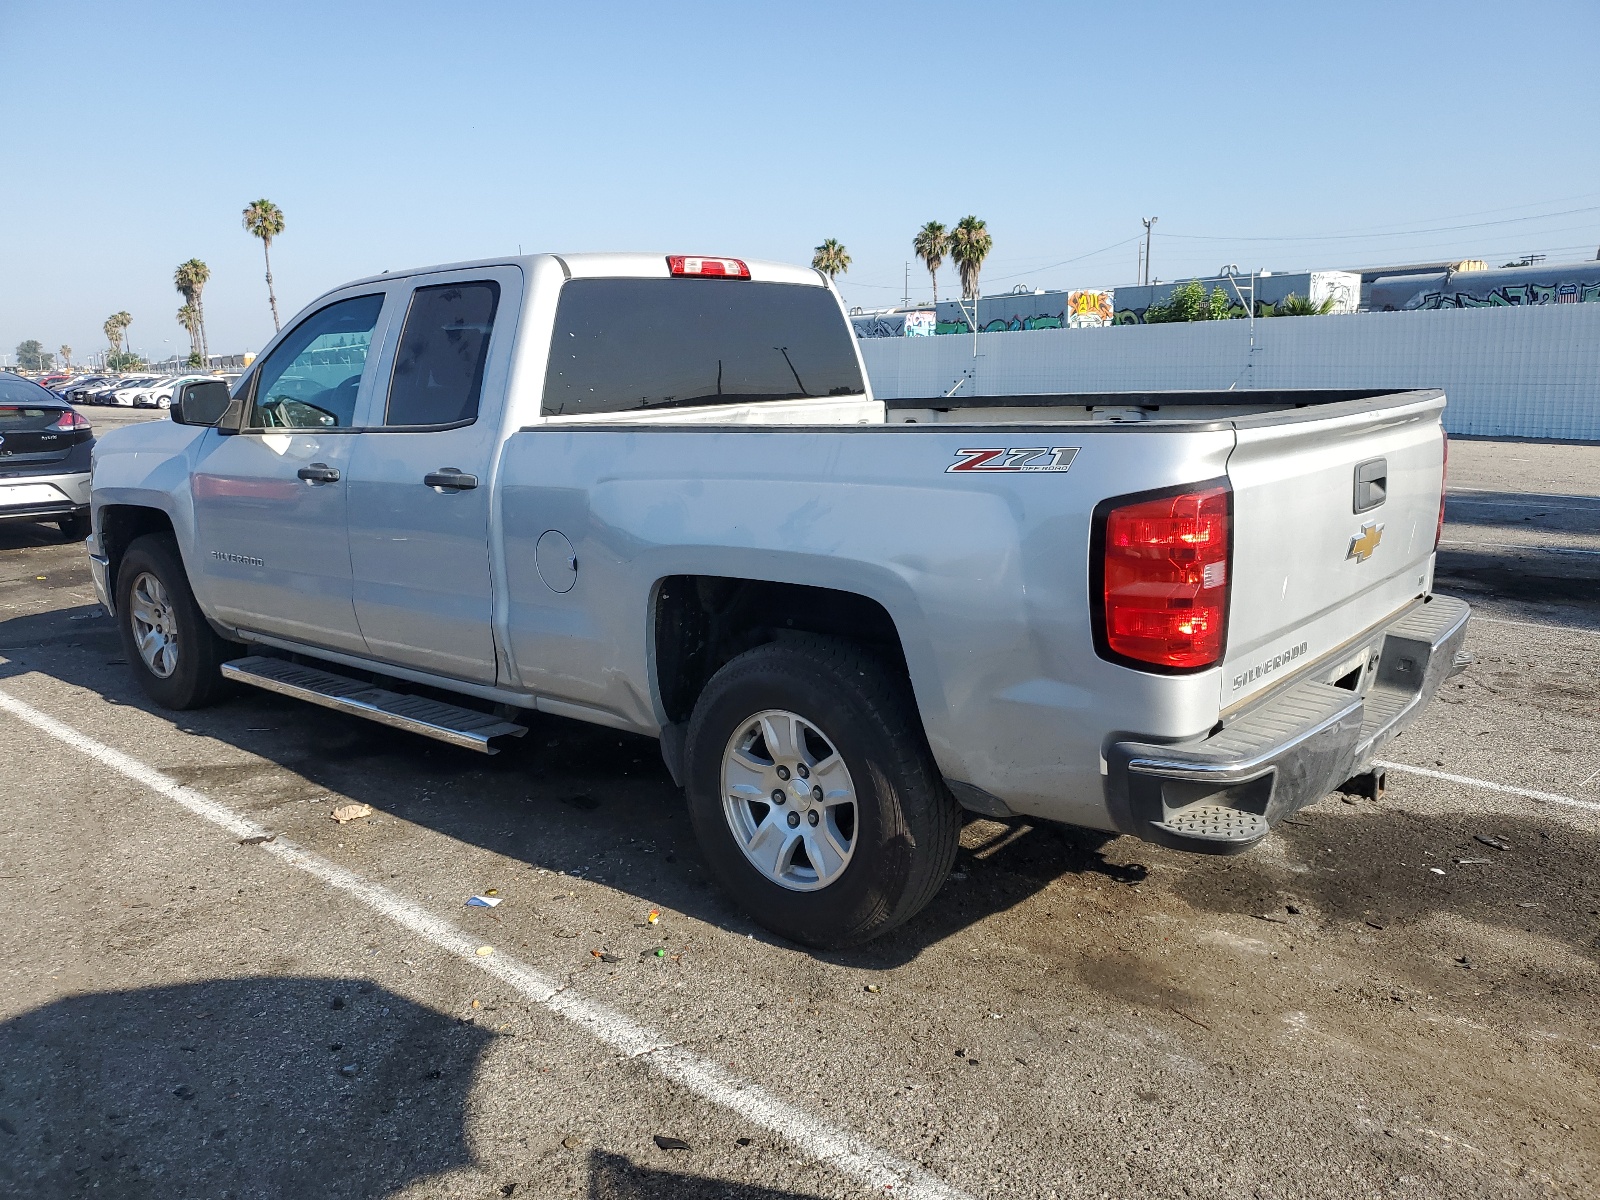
[74,528]
[901,836]
[180,667]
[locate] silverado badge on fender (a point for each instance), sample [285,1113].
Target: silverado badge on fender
[1365,542]
[1054,458]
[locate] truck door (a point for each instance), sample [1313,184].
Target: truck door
[420,482]
[269,500]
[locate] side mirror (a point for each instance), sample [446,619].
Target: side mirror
[200,402]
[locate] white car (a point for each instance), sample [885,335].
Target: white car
[123,397]
[159,395]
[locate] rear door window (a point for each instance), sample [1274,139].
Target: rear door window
[624,344]
[438,368]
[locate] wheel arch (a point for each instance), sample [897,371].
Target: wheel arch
[698,622]
[117,526]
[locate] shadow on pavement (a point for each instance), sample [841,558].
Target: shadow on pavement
[19,535]
[1523,510]
[276,1087]
[613,1177]
[568,797]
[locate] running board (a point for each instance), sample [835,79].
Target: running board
[432,718]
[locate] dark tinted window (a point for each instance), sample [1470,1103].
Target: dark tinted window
[310,380]
[623,344]
[438,370]
[25,418]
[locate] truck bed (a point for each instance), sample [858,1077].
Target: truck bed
[1127,407]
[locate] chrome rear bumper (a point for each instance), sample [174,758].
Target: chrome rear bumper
[1224,793]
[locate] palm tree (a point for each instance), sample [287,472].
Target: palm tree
[931,244]
[831,258]
[189,318]
[970,243]
[190,279]
[264,219]
[116,329]
[66,355]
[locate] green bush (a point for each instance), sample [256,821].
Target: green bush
[1191,302]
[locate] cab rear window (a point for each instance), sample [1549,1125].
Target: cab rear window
[626,344]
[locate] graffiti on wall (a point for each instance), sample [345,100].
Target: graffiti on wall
[1012,324]
[1089,309]
[906,324]
[1567,291]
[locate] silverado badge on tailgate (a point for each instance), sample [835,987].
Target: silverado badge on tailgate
[1365,542]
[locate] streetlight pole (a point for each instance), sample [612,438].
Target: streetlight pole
[1149,223]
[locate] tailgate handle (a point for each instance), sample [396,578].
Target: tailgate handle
[1372,484]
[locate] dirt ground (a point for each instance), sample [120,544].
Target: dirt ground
[1391,998]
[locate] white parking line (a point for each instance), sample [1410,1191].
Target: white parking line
[1468,781]
[839,1148]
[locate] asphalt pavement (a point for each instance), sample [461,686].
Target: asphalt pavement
[208,987]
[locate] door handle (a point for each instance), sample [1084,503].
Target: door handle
[451,477]
[319,473]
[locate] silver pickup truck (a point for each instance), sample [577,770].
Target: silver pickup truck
[656,493]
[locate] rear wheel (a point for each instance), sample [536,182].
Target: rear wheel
[74,528]
[173,651]
[814,795]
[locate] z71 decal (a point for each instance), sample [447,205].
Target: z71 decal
[1052,458]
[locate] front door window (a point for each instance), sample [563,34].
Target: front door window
[311,378]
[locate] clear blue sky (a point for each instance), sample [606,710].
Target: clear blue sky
[398,134]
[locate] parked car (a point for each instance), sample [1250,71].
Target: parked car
[656,493]
[123,396]
[100,393]
[77,391]
[45,447]
[159,395]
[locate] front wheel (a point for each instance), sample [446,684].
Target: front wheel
[814,795]
[173,651]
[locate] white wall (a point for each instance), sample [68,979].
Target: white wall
[1509,372]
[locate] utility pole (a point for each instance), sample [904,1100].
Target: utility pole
[1149,223]
[905,300]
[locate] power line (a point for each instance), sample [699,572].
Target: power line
[1368,236]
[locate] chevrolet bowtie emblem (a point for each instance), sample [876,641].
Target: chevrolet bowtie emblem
[1365,542]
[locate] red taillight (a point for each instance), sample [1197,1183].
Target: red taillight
[723,268]
[1444,471]
[70,420]
[1165,579]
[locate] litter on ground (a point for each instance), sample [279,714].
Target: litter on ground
[350,812]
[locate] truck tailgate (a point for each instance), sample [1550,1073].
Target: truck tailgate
[1311,573]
